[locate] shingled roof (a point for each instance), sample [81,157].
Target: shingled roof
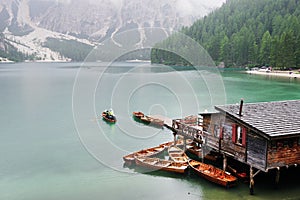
[274,119]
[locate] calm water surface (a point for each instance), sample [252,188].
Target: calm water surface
[53,146]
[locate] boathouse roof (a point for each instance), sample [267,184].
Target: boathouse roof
[273,119]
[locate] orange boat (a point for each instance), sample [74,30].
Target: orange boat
[241,175]
[138,115]
[213,174]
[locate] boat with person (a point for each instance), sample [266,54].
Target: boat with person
[109,116]
[160,164]
[213,174]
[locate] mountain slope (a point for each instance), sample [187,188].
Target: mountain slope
[27,24]
[249,33]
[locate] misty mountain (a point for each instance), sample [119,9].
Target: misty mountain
[29,24]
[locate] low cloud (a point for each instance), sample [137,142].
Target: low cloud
[196,7]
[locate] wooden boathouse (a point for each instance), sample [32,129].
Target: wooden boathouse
[264,136]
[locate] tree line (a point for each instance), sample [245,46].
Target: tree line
[72,49]
[243,33]
[10,52]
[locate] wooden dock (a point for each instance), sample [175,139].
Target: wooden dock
[167,121]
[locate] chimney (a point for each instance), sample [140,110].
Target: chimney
[241,107]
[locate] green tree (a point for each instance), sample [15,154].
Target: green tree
[225,50]
[265,48]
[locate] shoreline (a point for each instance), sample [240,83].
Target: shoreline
[276,73]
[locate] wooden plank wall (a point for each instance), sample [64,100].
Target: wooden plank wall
[213,124]
[256,151]
[283,154]
[228,146]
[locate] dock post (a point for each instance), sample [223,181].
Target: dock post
[174,134]
[277,177]
[224,162]
[251,181]
[203,151]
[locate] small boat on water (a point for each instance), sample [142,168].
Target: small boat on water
[150,152]
[213,173]
[194,149]
[140,116]
[197,151]
[109,116]
[241,175]
[177,155]
[152,121]
[160,164]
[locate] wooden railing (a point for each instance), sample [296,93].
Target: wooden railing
[187,130]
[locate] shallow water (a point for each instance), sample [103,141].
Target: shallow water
[53,146]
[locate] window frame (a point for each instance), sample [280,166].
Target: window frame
[239,134]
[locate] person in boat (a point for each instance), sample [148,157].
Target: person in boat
[111,112]
[106,112]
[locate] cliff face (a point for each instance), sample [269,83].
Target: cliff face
[30,22]
[100,18]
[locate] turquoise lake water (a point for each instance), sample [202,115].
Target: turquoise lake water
[53,145]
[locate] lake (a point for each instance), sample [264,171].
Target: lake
[54,145]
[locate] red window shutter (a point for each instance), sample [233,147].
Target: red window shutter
[244,131]
[221,132]
[234,133]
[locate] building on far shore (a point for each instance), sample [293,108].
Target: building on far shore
[5,60]
[263,136]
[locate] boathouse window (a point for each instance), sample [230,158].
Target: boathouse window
[216,130]
[239,134]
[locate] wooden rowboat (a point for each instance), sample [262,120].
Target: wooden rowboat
[150,152]
[110,119]
[176,154]
[154,151]
[141,117]
[152,121]
[138,115]
[213,173]
[241,175]
[195,150]
[160,164]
